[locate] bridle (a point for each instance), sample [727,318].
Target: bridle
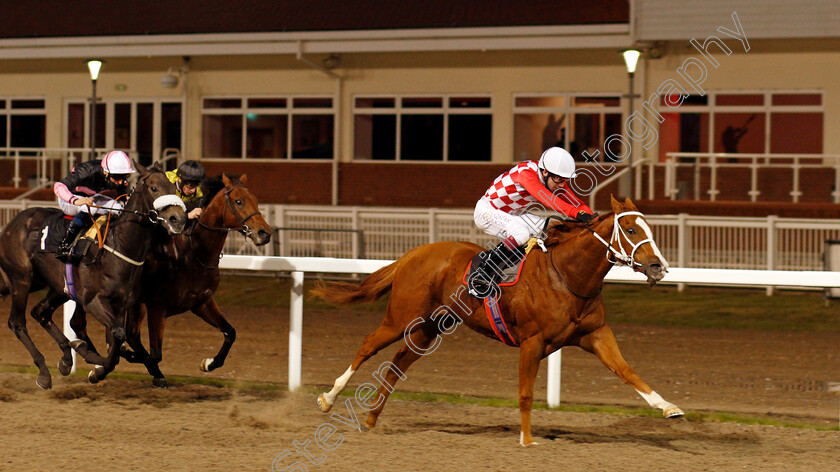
[621,256]
[243,228]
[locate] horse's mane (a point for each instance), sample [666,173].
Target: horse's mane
[559,231]
[211,186]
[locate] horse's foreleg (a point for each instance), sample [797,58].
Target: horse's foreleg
[420,340]
[17,323]
[601,342]
[381,338]
[210,312]
[43,314]
[114,321]
[83,345]
[157,323]
[530,353]
[134,319]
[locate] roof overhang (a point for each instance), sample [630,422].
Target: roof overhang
[371,41]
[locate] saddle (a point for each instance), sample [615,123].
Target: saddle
[51,233]
[510,277]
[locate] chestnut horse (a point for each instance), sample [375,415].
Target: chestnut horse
[105,286]
[182,273]
[557,302]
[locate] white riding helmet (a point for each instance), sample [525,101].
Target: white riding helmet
[117,162]
[558,161]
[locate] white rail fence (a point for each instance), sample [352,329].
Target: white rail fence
[50,164]
[298,266]
[769,243]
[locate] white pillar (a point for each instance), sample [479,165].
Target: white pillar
[69,308]
[295,330]
[554,379]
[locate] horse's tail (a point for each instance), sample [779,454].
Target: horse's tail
[372,288]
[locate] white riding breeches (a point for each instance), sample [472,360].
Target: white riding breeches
[109,204]
[503,225]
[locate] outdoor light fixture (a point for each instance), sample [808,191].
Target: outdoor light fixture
[169,80]
[93,66]
[631,58]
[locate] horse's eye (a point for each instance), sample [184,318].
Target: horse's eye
[154,189]
[631,231]
[239,202]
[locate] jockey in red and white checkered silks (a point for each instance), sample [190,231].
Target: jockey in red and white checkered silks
[507,209]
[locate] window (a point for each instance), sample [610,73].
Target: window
[23,123]
[268,127]
[742,123]
[423,128]
[575,122]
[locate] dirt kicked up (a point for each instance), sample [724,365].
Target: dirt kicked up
[128,425]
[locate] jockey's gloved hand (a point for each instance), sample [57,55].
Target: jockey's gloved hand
[585,217]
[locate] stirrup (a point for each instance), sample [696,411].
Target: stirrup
[63,251]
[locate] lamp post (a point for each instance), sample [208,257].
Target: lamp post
[93,66]
[631,58]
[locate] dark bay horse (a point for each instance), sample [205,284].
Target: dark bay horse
[557,302]
[182,273]
[105,286]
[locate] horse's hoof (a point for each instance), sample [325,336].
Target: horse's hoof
[323,405]
[673,412]
[207,365]
[64,368]
[78,344]
[44,381]
[364,428]
[160,383]
[97,374]
[526,442]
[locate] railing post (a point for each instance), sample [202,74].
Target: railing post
[795,193]
[754,192]
[16,178]
[651,178]
[683,242]
[836,192]
[354,221]
[69,308]
[295,330]
[280,213]
[713,165]
[553,389]
[432,225]
[771,246]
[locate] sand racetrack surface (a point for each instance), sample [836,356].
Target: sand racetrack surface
[125,424]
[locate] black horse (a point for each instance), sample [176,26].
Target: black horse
[105,284]
[182,273]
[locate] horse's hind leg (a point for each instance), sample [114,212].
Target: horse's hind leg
[17,323]
[601,342]
[43,314]
[211,313]
[416,345]
[382,337]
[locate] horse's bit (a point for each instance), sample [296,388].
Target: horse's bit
[243,228]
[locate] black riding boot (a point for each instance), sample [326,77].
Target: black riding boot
[489,273]
[63,251]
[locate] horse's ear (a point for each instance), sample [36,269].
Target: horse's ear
[140,168]
[155,167]
[225,180]
[243,179]
[628,204]
[616,205]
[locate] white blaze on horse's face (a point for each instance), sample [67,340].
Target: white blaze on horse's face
[641,223]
